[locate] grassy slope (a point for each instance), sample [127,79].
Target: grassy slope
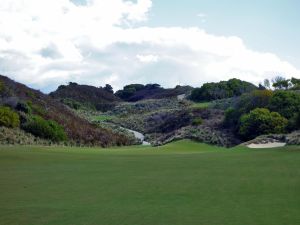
[181,183]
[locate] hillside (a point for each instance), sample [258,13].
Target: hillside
[31,103]
[76,96]
[137,92]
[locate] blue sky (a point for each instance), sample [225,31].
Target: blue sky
[52,42]
[265,25]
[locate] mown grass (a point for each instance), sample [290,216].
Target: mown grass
[183,183]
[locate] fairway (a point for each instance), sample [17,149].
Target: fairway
[183,183]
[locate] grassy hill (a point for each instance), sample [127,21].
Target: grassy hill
[77,96]
[180,183]
[79,131]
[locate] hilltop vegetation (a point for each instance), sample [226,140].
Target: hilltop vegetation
[138,92]
[221,90]
[83,96]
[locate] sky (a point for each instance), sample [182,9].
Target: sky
[46,43]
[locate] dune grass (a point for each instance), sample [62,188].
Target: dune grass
[183,183]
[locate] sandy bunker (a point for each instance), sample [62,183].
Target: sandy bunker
[267,145]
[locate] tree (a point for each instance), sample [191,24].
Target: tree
[296,83]
[9,118]
[281,83]
[255,99]
[267,84]
[261,121]
[287,103]
[108,88]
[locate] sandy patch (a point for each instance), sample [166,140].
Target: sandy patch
[267,145]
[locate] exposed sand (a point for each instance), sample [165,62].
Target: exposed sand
[267,145]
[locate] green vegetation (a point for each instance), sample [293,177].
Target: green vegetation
[102,118]
[287,103]
[16,136]
[281,83]
[181,183]
[221,90]
[261,121]
[197,121]
[9,118]
[47,129]
[80,132]
[2,87]
[138,92]
[88,97]
[201,105]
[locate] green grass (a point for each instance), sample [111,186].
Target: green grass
[183,183]
[201,105]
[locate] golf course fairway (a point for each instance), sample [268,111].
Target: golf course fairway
[183,183]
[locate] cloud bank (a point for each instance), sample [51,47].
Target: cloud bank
[47,43]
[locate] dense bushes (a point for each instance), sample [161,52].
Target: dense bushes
[47,129]
[261,121]
[221,90]
[129,90]
[84,96]
[9,118]
[287,103]
[138,92]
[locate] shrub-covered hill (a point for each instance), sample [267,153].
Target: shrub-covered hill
[36,107]
[221,90]
[137,92]
[77,96]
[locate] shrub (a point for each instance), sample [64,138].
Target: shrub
[72,103]
[38,109]
[246,103]
[9,118]
[287,103]
[253,100]
[47,129]
[221,90]
[261,121]
[23,107]
[197,121]
[2,86]
[231,118]
[294,122]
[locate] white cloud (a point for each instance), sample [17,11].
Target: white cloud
[147,58]
[47,43]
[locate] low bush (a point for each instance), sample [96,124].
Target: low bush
[197,121]
[47,129]
[261,121]
[9,118]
